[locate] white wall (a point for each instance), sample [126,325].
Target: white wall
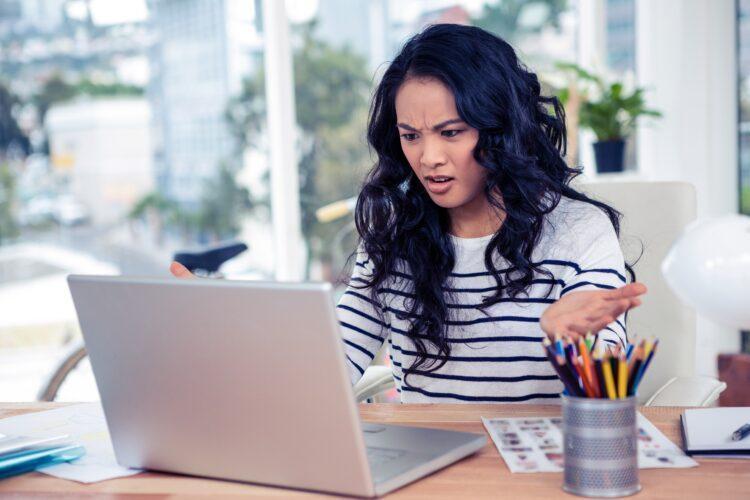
[686,59]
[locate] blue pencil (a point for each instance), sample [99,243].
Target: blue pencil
[559,345]
[644,366]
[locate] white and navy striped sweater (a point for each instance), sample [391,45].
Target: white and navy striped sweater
[497,356]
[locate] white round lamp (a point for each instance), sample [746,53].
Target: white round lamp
[708,267]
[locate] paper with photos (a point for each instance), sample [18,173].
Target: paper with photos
[531,444]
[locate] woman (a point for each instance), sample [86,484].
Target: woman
[473,243]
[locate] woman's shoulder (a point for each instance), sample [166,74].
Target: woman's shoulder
[573,226]
[578,216]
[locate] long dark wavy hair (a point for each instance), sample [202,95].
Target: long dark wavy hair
[522,141]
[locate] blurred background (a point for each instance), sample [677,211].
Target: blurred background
[132,130]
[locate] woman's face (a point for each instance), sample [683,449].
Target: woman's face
[438,144]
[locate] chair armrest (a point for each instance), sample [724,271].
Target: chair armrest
[375,380]
[688,391]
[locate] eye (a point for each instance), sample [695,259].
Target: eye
[451,133]
[409,137]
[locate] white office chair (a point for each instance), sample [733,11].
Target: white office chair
[654,215]
[377,379]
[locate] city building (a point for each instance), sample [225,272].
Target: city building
[203,51]
[368,30]
[103,147]
[620,35]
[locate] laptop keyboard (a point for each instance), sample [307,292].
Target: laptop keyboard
[380,456]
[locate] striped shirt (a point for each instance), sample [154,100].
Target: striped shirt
[496,355]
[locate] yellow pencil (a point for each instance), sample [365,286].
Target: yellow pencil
[647,348]
[608,380]
[622,378]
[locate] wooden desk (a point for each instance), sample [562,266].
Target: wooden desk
[483,475]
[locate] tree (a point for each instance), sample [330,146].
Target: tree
[223,204]
[12,138]
[54,90]
[8,225]
[218,216]
[331,86]
[13,143]
[157,208]
[506,17]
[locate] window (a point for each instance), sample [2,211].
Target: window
[120,134]
[352,41]
[743,67]
[743,27]
[139,131]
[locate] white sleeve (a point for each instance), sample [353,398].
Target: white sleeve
[597,263]
[362,318]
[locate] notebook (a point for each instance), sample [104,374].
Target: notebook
[708,431]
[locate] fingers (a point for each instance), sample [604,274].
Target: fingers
[631,290]
[581,312]
[180,271]
[568,331]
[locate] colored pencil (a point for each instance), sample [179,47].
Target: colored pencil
[600,376]
[559,345]
[608,380]
[644,367]
[562,371]
[572,380]
[588,367]
[589,341]
[622,376]
[635,365]
[588,389]
[630,351]
[615,370]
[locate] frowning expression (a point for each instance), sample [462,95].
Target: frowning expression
[438,144]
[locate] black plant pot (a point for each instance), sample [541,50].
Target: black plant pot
[610,155]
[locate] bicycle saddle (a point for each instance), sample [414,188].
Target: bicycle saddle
[210,259]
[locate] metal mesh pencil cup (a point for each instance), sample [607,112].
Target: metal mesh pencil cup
[600,446]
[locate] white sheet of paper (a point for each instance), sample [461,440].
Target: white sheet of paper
[86,425]
[535,444]
[529,444]
[655,451]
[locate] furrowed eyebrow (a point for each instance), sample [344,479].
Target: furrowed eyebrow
[439,126]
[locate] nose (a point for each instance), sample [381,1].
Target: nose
[433,155]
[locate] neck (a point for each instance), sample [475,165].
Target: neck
[475,219]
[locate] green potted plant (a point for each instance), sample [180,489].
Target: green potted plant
[609,110]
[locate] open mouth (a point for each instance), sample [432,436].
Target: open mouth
[438,178]
[439,184]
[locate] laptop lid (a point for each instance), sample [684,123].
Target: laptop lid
[229,379]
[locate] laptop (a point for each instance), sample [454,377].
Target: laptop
[244,381]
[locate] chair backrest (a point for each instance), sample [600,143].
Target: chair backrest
[654,215]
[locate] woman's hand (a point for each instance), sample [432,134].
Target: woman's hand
[578,313]
[180,271]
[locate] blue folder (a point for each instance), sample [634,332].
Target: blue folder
[26,460]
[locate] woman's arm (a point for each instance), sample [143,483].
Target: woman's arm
[595,295]
[363,322]
[578,313]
